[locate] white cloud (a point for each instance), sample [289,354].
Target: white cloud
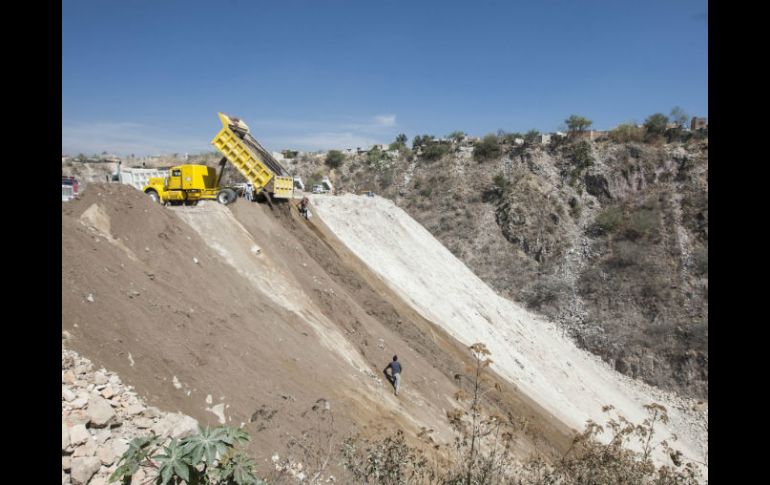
[323,141]
[125,138]
[386,120]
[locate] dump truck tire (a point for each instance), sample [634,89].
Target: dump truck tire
[154,196]
[226,196]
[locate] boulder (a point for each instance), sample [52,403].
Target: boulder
[100,412]
[67,394]
[78,434]
[66,463]
[175,425]
[83,468]
[87,449]
[119,446]
[134,409]
[105,454]
[100,378]
[143,423]
[65,436]
[78,416]
[107,392]
[68,377]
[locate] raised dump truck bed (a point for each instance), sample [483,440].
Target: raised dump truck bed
[252,161]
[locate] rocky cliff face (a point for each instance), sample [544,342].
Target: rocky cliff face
[610,240]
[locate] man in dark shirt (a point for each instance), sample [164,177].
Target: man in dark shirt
[395,373]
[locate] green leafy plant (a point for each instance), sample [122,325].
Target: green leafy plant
[334,159]
[211,456]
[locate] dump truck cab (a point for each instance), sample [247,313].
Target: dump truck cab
[189,184]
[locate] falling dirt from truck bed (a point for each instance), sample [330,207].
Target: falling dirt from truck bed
[262,312]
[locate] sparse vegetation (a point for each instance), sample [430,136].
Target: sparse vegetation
[487,148]
[334,159]
[627,132]
[434,151]
[501,183]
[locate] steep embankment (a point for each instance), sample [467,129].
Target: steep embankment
[608,239]
[530,352]
[248,316]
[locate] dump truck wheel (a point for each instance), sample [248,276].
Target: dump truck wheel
[154,196]
[226,196]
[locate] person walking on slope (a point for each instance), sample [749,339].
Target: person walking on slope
[303,207]
[395,373]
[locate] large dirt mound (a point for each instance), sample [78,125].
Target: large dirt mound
[259,311]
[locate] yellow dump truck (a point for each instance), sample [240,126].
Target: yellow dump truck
[191,183]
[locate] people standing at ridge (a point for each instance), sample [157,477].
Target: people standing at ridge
[395,373]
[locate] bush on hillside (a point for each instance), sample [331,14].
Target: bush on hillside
[625,133]
[434,151]
[488,148]
[334,159]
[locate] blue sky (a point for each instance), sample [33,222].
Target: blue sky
[149,76]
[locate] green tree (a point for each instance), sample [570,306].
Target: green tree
[334,159]
[530,137]
[457,136]
[656,124]
[487,148]
[401,139]
[423,140]
[679,116]
[576,123]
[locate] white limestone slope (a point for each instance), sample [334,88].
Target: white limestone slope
[526,349]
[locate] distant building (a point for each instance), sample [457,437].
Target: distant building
[698,123]
[544,138]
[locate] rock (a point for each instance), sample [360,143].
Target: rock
[100,412]
[78,416]
[152,412]
[90,298]
[119,446]
[107,392]
[218,411]
[65,479]
[114,379]
[185,427]
[80,402]
[68,377]
[143,423]
[88,449]
[175,425]
[83,468]
[98,480]
[67,395]
[78,434]
[105,454]
[102,435]
[100,378]
[66,463]
[134,409]
[65,436]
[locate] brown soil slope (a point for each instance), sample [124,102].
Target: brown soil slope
[258,309]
